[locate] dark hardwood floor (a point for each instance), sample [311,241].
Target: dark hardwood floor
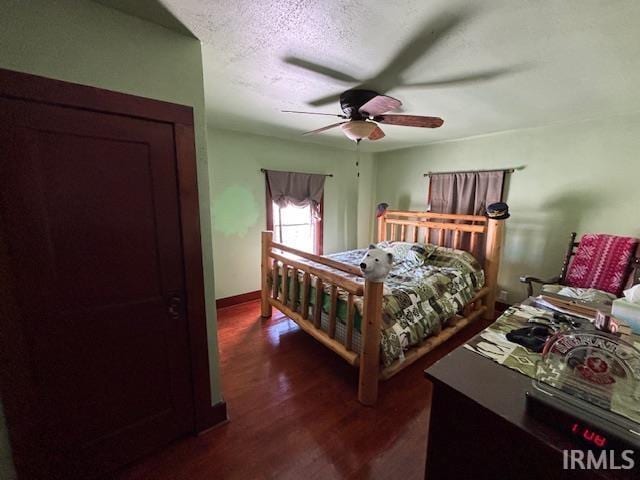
[294,413]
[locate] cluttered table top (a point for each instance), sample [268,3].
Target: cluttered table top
[561,343]
[521,353]
[499,394]
[493,342]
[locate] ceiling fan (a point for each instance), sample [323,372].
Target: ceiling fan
[364,104]
[364,109]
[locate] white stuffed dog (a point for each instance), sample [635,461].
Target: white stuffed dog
[376,264]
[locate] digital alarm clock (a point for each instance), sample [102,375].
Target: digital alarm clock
[589,428]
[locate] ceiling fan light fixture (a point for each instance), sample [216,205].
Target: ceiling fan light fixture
[356,130]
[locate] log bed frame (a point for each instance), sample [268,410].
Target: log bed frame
[393,225]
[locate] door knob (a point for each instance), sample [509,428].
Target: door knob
[175,306]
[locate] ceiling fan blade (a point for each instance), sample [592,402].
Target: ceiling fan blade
[463,79]
[377,134]
[315,113]
[431,33]
[379,105]
[410,120]
[320,69]
[318,130]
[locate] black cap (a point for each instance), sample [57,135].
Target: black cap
[498,211]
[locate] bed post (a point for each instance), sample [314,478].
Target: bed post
[382,227]
[265,305]
[493,249]
[370,354]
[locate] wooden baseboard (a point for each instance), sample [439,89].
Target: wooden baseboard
[215,416]
[237,299]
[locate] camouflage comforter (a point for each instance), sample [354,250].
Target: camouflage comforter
[426,287]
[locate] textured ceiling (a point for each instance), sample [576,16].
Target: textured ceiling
[559,61]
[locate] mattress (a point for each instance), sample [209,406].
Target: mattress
[426,287]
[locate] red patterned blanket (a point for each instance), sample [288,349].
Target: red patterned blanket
[601,261]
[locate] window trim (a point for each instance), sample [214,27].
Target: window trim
[319,229]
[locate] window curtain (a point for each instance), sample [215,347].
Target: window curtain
[466,193]
[298,189]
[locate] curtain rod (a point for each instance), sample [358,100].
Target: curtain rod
[505,170]
[264,170]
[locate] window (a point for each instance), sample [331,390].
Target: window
[295,227]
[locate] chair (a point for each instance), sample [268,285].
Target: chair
[619,264]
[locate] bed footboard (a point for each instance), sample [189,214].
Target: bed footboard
[302,302]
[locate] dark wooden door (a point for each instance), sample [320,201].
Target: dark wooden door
[92,263]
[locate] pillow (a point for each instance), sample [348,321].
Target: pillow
[444,257]
[413,254]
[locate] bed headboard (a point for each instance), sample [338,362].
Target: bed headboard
[479,235]
[464,232]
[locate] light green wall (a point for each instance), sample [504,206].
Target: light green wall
[366,200]
[578,177]
[239,210]
[581,177]
[83,42]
